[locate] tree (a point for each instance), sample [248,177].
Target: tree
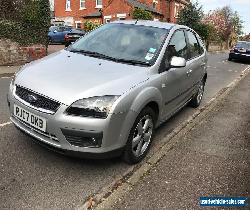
[141,14]
[36,17]
[206,32]
[227,24]
[25,21]
[9,9]
[192,16]
[217,20]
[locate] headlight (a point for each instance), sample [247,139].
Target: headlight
[96,107]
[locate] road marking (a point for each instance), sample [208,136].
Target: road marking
[4,124]
[5,77]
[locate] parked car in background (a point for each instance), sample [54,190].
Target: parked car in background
[57,33]
[108,91]
[241,52]
[72,36]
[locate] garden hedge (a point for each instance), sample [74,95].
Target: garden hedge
[32,24]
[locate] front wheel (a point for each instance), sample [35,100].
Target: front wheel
[140,137]
[197,98]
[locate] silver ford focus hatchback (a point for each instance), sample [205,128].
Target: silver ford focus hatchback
[105,94]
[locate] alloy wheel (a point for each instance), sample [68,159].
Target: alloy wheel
[142,135]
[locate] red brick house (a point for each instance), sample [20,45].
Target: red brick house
[76,12]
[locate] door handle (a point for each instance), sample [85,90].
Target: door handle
[189,72]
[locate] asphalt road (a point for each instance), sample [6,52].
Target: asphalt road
[34,178]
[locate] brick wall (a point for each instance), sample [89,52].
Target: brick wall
[118,7]
[112,8]
[11,53]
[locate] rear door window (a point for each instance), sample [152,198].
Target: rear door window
[193,44]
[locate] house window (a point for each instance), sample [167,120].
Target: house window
[176,10]
[98,3]
[107,18]
[155,2]
[82,4]
[78,24]
[68,5]
[121,16]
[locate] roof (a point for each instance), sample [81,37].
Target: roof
[140,5]
[150,23]
[94,14]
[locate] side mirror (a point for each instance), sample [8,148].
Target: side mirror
[177,62]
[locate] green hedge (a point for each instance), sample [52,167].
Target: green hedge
[89,25]
[32,26]
[141,14]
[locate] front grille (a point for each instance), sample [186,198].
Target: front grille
[36,100]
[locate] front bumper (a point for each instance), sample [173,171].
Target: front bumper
[239,56]
[111,133]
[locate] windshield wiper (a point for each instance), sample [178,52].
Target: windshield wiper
[91,53]
[134,62]
[94,54]
[100,55]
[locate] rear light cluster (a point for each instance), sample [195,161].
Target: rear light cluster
[66,36]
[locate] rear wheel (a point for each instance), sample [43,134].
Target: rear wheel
[229,58]
[140,137]
[197,98]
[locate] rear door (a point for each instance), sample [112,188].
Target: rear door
[197,61]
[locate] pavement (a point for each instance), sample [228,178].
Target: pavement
[211,160]
[34,178]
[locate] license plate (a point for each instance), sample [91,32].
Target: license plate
[76,36]
[30,118]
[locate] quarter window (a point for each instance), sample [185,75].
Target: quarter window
[194,46]
[177,45]
[68,5]
[82,4]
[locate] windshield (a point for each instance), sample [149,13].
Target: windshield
[123,42]
[245,45]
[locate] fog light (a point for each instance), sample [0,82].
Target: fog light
[83,139]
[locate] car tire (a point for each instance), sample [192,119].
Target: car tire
[140,137]
[50,40]
[229,58]
[197,98]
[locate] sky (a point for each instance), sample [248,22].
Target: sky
[242,6]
